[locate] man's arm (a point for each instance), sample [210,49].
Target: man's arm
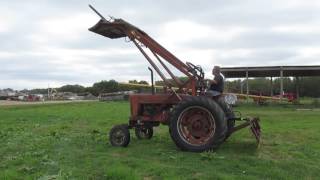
[216,80]
[213,81]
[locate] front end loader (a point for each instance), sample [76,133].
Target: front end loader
[197,121]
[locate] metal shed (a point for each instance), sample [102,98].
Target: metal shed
[271,71]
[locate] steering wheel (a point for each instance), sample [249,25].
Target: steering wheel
[196,70]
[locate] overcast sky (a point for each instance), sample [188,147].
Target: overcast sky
[47,42]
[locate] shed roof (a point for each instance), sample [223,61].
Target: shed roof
[271,71]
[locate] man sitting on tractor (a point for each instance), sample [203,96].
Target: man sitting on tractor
[217,84]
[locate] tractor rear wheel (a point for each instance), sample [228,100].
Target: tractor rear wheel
[119,135]
[198,124]
[144,132]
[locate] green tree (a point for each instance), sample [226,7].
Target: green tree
[133,81]
[72,88]
[143,82]
[105,87]
[309,86]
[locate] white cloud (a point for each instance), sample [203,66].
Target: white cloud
[7,20]
[4,54]
[182,31]
[309,52]
[298,29]
[293,4]
[63,27]
[49,41]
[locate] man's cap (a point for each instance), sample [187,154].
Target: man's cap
[216,67]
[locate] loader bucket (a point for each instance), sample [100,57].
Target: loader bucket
[118,28]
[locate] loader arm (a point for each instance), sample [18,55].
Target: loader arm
[119,28]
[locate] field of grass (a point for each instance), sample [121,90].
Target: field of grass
[69,141]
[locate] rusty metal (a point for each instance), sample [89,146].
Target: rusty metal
[253,122]
[152,63]
[152,83]
[176,80]
[196,125]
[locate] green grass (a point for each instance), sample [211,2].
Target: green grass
[70,141]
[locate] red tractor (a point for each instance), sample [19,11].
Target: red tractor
[197,122]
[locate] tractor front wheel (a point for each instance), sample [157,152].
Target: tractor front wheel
[119,135]
[198,124]
[144,132]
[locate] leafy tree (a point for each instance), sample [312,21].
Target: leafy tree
[36,91]
[309,86]
[159,83]
[143,82]
[105,87]
[133,81]
[72,88]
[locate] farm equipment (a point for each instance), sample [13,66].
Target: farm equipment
[197,122]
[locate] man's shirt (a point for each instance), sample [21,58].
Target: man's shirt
[220,83]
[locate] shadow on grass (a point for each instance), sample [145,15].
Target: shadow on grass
[249,147]
[239,147]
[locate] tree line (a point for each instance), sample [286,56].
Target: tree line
[104,86]
[308,86]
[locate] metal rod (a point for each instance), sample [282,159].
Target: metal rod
[93,9]
[164,53]
[177,81]
[249,121]
[159,50]
[155,67]
[152,85]
[241,126]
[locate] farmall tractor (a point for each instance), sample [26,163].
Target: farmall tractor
[197,121]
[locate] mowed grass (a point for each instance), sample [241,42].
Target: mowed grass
[70,141]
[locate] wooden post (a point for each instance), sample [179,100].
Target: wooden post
[271,86]
[241,86]
[281,83]
[297,88]
[247,78]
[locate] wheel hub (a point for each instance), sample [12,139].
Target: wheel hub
[118,137]
[199,126]
[196,125]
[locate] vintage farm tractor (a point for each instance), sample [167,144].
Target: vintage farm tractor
[197,122]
